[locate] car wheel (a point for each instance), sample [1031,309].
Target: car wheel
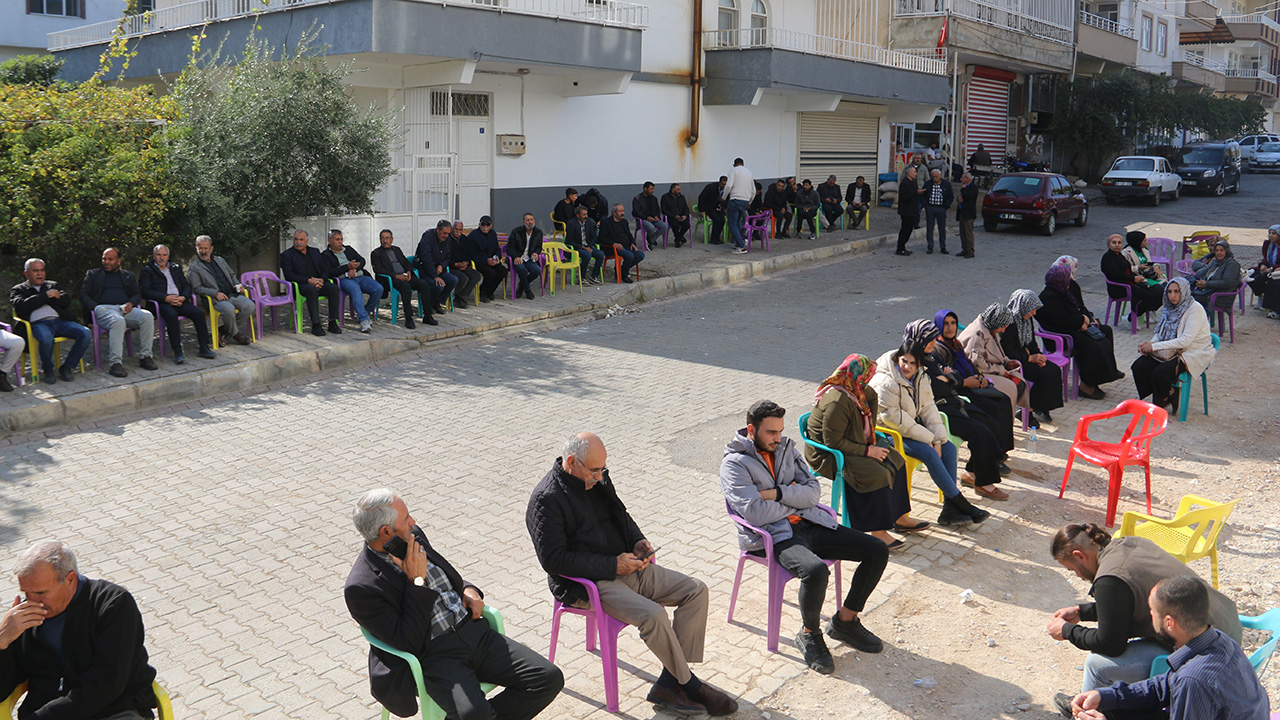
[1220,188]
[1236,188]
[1177,192]
[990,225]
[1155,200]
[1050,225]
[1083,217]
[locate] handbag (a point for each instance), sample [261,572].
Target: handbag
[1096,333]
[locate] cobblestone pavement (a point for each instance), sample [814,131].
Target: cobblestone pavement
[229,519]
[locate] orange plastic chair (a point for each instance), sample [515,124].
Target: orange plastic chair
[1134,447]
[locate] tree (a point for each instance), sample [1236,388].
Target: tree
[30,70]
[269,138]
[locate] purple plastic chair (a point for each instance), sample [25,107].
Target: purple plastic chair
[1160,251]
[97,341]
[598,622]
[642,233]
[513,280]
[258,284]
[758,226]
[1062,356]
[17,363]
[1183,267]
[1119,305]
[778,576]
[1229,309]
[160,329]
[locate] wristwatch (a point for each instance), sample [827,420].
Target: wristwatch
[419,581]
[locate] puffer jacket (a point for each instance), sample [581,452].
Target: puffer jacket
[907,405]
[744,473]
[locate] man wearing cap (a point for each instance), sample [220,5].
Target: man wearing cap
[486,253]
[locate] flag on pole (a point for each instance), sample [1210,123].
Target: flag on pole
[942,38]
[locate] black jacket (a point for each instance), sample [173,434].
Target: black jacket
[709,198]
[645,206]
[948,195]
[575,231]
[830,194]
[908,198]
[299,268]
[1118,270]
[381,259]
[566,533]
[674,206]
[91,289]
[153,285]
[386,603]
[431,252]
[601,209]
[24,298]
[1060,314]
[563,211]
[519,239]
[334,269]
[776,200]
[611,232]
[860,195]
[967,209]
[484,246]
[106,669]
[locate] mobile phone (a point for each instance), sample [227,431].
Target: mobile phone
[396,547]
[650,554]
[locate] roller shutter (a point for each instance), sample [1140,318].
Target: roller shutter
[838,143]
[987,116]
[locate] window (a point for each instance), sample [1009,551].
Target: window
[727,18]
[1146,32]
[1162,38]
[759,15]
[64,8]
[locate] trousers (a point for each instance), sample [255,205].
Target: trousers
[630,258]
[966,236]
[652,230]
[717,227]
[468,279]
[232,312]
[114,321]
[803,553]
[492,276]
[1130,666]
[639,599]
[406,289]
[935,215]
[11,347]
[904,231]
[832,212]
[356,288]
[311,294]
[169,314]
[48,329]
[942,468]
[857,215]
[1155,377]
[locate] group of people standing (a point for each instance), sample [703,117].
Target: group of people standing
[926,196]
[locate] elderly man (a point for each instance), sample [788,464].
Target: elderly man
[433,265]
[46,308]
[580,528]
[460,259]
[616,232]
[908,208]
[345,266]
[524,247]
[919,174]
[486,253]
[937,199]
[647,211]
[580,234]
[211,277]
[112,296]
[76,642]
[406,594]
[389,260]
[832,208]
[301,264]
[857,202]
[163,283]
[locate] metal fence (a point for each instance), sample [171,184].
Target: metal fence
[812,44]
[1108,25]
[1051,20]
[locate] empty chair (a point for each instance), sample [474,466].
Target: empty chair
[758,227]
[259,283]
[1160,251]
[562,261]
[1190,535]
[1133,448]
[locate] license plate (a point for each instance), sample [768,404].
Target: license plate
[1123,183]
[1188,182]
[1010,216]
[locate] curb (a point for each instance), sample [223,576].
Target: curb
[165,392]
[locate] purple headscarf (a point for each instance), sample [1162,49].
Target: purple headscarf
[958,358]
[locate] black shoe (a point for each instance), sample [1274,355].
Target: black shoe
[1042,415]
[627,279]
[334,327]
[1033,421]
[206,353]
[438,309]
[717,702]
[317,331]
[673,699]
[117,370]
[486,298]
[1097,394]
[1004,470]
[944,251]
[4,383]
[49,377]
[1062,701]
[460,303]
[962,504]
[903,253]
[179,357]
[408,323]
[148,363]
[929,251]
[430,320]
[854,634]
[65,373]
[816,654]
[952,515]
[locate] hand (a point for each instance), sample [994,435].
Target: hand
[1085,705]
[617,246]
[1070,614]
[316,283]
[223,296]
[353,265]
[439,270]
[1012,365]
[1200,283]
[1038,359]
[1145,348]
[351,273]
[1054,628]
[472,601]
[1085,325]
[54,293]
[629,563]
[770,494]
[21,615]
[1090,715]
[642,548]
[937,447]
[973,381]
[493,262]
[877,453]
[403,277]
[127,308]
[439,282]
[415,562]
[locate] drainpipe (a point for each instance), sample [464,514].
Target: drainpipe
[695,76]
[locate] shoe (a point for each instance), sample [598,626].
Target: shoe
[1005,470]
[241,338]
[1097,394]
[816,654]
[487,299]
[897,545]
[1042,415]
[903,253]
[968,255]
[409,324]
[438,309]
[951,515]
[1033,421]
[206,353]
[968,478]
[994,493]
[317,331]
[1119,376]
[65,373]
[627,278]
[366,326]
[739,251]
[148,363]
[49,377]
[717,702]
[944,251]
[334,327]
[929,251]
[673,699]
[4,383]
[1062,701]
[975,514]
[918,527]
[430,320]
[1273,314]
[854,634]
[117,370]
[179,357]
[460,303]
[528,294]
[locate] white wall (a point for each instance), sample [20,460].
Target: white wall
[25,34]
[666,44]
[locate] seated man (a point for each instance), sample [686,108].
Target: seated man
[460,258]
[345,266]
[433,266]
[581,236]
[807,203]
[563,212]
[647,211]
[46,308]
[486,253]
[76,642]
[857,202]
[407,595]
[11,347]
[616,232]
[1208,677]
[524,247]
[711,204]
[829,192]
[301,264]
[768,484]
[581,529]
[675,208]
[775,201]
[211,276]
[389,260]
[164,283]
[112,296]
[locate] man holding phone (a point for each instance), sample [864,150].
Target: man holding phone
[581,529]
[407,595]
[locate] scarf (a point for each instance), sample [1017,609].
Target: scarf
[921,332]
[1069,262]
[851,379]
[1022,302]
[997,316]
[1272,253]
[1170,314]
[958,359]
[1215,265]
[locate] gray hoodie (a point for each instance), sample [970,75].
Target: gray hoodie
[743,474]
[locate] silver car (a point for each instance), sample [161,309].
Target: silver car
[1265,158]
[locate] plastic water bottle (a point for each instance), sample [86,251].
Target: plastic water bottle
[1031,440]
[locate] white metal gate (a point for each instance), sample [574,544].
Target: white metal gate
[839,143]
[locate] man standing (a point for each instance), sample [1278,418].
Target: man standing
[460,265]
[616,231]
[775,201]
[407,595]
[301,264]
[738,192]
[46,308]
[675,208]
[164,283]
[580,234]
[597,205]
[580,528]
[524,247]
[76,642]
[113,297]
[858,199]
[767,484]
[920,174]
[389,260]
[487,255]
[211,276]
[711,204]
[433,266]
[937,198]
[908,204]
[829,192]
[345,266]
[967,213]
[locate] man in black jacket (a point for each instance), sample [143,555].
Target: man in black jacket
[389,262]
[47,308]
[832,209]
[301,264]
[100,668]
[486,253]
[908,208]
[581,529]
[580,234]
[597,205]
[675,208]
[412,599]
[345,266]
[563,212]
[113,298]
[712,205]
[967,213]
[616,232]
[648,214]
[433,266]
[857,202]
[163,283]
[460,259]
[524,247]
[775,200]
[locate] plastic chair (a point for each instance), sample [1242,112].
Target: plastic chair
[1216,307]
[33,350]
[837,482]
[599,623]
[896,437]
[1119,305]
[164,709]
[1184,383]
[610,253]
[558,229]
[430,710]
[18,364]
[1133,448]
[1063,355]
[98,331]
[758,225]
[1190,535]
[1183,267]
[215,317]
[1197,243]
[390,292]
[1259,659]
[562,260]
[642,235]
[778,578]
[258,283]
[160,327]
[1160,251]
[513,281]
[705,221]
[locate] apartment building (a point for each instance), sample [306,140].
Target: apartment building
[27,24]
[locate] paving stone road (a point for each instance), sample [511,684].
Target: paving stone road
[229,520]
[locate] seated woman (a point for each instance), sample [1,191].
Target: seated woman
[875,478]
[969,383]
[1266,274]
[1019,343]
[1220,274]
[981,342]
[1116,268]
[968,423]
[1182,343]
[908,408]
[1135,252]
[1064,312]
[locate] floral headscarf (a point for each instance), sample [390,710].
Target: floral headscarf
[1069,262]
[851,379]
[1022,302]
[959,359]
[997,315]
[1170,314]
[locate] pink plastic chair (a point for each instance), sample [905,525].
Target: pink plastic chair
[778,577]
[1062,356]
[259,287]
[758,226]
[642,235]
[1133,448]
[598,623]
[1119,305]
[160,328]
[1160,250]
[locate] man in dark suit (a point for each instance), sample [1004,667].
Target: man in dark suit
[711,205]
[486,253]
[163,282]
[616,232]
[675,210]
[857,202]
[345,266]
[47,308]
[967,213]
[420,603]
[581,236]
[112,297]
[524,247]
[301,264]
[433,266]
[775,200]
[390,261]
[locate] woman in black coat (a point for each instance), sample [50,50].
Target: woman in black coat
[1064,313]
[1019,343]
[1116,268]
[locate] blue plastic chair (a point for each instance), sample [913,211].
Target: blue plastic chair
[1184,382]
[1260,659]
[837,483]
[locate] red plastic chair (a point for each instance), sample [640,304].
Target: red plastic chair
[598,623]
[1134,447]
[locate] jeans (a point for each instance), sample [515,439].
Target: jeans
[358,286]
[1130,666]
[440,293]
[111,319]
[737,216]
[935,215]
[630,258]
[525,271]
[941,469]
[803,553]
[652,230]
[46,330]
[586,256]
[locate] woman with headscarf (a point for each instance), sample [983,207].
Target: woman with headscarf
[875,478]
[1266,267]
[1116,268]
[960,374]
[968,423]
[1092,344]
[1182,343]
[907,407]
[1019,343]
[981,342]
[1136,253]
[1220,274]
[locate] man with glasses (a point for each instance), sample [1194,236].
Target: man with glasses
[581,529]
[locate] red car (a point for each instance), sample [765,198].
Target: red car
[1038,199]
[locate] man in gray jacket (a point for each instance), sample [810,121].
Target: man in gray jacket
[211,277]
[767,484]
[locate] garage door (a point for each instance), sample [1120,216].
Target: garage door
[839,144]
[987,116]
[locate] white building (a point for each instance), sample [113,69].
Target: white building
[26,24]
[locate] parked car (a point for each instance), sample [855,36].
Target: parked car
[1146,176]
[1249,145]
[1213,167]
[1266,157]
[1036,199]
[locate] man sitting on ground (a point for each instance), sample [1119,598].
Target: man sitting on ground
[858,202]
[113,298]
[211,276]
[389,260]
[300,264]
[775,201]
[580,234]
[829,192]
[675,208]
[647,211]
[346,267]
[711,204]
[46,308]
[616,231]
[163,282]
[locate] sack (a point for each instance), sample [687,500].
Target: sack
[1096,333]
[889,186]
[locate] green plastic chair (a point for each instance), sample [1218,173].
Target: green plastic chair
[430,710]
[1184,384]
[1260,659]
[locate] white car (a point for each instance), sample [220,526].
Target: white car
[1145,176]
[1250,144]
[1266,157]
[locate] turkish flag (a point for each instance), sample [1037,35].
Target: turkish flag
[942,38]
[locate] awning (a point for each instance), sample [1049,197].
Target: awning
[1219,35]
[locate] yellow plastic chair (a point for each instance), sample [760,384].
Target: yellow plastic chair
[912,463]
[559,229]
[215,318]
[1190,535]
[1197,243]
[564,260]
[164,711]
[33,351]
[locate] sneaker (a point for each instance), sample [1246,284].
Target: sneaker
[179,357]
[739,251]
[366,326]
[1005,470]
[953,515]
[1273,314]
[854,634]
[816,654]
[962,504]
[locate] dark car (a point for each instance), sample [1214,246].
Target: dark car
[1212,167]
[1038,199]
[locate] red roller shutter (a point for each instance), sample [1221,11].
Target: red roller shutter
[987,116]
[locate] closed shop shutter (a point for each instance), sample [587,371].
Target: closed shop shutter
[987,117]
[838,143]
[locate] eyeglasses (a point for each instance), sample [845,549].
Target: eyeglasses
[597,471]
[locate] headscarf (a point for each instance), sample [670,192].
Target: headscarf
[851,379]
[1134,239]
[1272,254]
[959,360]
[1215,265]
[997,315]
[1022,302]
[1059,278]
[921,331]
[1170,314]
[1069,262]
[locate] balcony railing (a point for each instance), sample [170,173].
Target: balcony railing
[1111,26]
[1248,73]
[1191,58]
[1051,20]
[1266,19]
[820,45]
[611,13]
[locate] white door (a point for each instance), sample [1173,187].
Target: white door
[475,150]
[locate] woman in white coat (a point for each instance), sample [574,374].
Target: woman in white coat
[1182,343]
[906,406]
[981,341]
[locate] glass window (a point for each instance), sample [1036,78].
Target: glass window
[759,15]
[1146,32]
[1162,38]
[727,18]
[1138,164]
[64,8]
